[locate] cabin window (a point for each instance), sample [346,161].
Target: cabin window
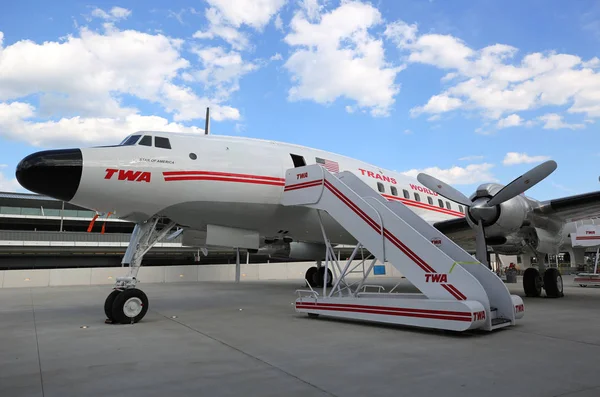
[448,205]
[162,142]
[394,190]
[460,208]
[146,140]
[131,140]
[440,203]
[380,187]
[430,200]
[417,197]
[405,192]
[298,160]
[193,156]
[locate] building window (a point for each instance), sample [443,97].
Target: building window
[417,197]
[380,187]
[162,142]
[394,190]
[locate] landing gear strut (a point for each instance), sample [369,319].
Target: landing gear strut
[126,304]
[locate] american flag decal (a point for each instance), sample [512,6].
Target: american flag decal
[331,166]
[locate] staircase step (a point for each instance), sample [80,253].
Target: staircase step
[500,323]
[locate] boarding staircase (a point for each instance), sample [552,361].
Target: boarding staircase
[457,292]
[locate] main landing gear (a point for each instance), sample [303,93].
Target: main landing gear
[126,304]
[315,276]
[551,282]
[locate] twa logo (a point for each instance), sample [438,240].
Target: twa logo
[519,308]
[590,232]
[302,175]
[436,241]
[436,278]
[478,316]
[128,175]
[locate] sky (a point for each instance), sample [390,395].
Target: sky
[470,92]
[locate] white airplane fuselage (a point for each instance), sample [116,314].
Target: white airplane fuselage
[229,181]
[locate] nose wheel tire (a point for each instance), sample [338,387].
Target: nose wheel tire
[108,304]
[532,282]
[553,283]
[130,306]
[311,276]
[321,277]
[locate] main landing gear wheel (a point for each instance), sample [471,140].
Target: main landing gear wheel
[130,306]
[108,304]
[532,282]
[321,277]
[553,283]
[311,276]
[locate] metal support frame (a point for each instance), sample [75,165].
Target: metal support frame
[339,273]
[143,238]
[237,265]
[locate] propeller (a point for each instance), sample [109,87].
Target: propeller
[484,209]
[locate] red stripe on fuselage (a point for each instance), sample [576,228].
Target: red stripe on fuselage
[222,174]
[426,206]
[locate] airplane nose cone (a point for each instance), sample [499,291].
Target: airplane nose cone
[54,173]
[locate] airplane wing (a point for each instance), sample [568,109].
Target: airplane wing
[572,208]
[459,231]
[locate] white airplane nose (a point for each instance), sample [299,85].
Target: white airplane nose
[54,173]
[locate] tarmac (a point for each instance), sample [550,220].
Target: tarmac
[227,339]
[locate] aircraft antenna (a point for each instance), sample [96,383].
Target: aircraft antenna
[207,124]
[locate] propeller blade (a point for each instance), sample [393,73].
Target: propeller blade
[443,189]
[481,246]
[524,182]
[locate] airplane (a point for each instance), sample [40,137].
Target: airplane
[225,191]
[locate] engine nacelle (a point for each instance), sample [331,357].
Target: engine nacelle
[294,250]
[543,241]
[509,216]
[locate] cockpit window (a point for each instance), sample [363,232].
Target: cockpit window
[130,141]
[162,142]
[146,140]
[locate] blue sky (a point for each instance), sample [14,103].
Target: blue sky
[471,92]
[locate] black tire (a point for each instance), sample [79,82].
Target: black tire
[311,276]
[553,283]
[321,277]
[108,304]
[118,309]
[531,283]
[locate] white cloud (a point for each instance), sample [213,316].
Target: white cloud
[337,57]
[89,75]
[16,122]
[219,28]
[254,13]
[473,173]
[114,14]
[222,70]
[9,184]
[513,120]
[491,81]
[472,158]
[554,121]
[312,9]
[513,158]
[276,57]
[278,23]
[437,104]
